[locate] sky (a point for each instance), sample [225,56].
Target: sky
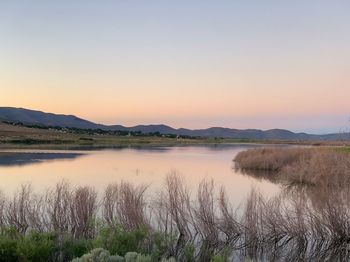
[185,63]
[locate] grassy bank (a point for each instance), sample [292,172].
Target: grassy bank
[35,137]
[297,166]
[14,136]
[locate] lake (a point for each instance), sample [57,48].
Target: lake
[307,223]
[150,166]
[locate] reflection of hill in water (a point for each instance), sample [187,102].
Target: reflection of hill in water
[20,159]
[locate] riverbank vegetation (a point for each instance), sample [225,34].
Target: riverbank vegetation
[67,222]
[18,136]
[326,167]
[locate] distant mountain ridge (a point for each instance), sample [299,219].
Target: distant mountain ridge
[27,116]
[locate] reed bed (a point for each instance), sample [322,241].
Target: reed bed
[297,166]
[199,225]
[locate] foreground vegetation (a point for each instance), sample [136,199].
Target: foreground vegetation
[326,167]
[65,223]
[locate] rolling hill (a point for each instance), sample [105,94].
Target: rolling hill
[27,116]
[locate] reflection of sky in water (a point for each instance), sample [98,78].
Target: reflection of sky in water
[26,158]
[139,166]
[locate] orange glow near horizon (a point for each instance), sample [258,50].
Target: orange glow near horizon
[151,104]
[121,63]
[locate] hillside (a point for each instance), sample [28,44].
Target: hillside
[27,116]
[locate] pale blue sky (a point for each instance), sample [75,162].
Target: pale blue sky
[242,64]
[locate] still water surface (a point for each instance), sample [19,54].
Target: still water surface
[44,168]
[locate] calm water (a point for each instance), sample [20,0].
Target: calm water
[43,169]
[150,166]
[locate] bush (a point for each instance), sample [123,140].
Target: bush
[135,257]
[8,249]
[32,247]
[160,245]
[168,259]
[72,248]
[119,241]
[99,255]
[189,252]
[102,255]
[36,247]
[218,258]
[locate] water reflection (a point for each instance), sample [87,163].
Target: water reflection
[21,159]
[292,224]
[303,223]
[145,165]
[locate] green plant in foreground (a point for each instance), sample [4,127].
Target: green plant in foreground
[99,255]
[160,245]
[32,247]
[218,258]
[135,257]
[8,249]
[102,255]
[36,247]
[119,241]
[189,252]
[71,248]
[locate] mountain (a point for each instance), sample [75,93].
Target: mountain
[27,116]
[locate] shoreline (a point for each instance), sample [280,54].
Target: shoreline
[154,144]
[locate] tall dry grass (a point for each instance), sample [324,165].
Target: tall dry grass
[57,201]
[297,166]
[124,204]
[270,159]
[290,224]
[83,210]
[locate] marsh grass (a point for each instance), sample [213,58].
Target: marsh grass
[269,159]
[178,223]
[297,166]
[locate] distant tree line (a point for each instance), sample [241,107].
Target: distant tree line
[88,131]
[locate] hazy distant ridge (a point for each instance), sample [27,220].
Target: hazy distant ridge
[27,116]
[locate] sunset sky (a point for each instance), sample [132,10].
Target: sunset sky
[185,63]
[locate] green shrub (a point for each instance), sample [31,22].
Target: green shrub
[131,257]
[8,249]
[218,258]
[99,255]
[102,255]
[36,247]
[171,259]
[189,252]
[135,257]
[143,258]
[72,248]
[160,245]
[119,241]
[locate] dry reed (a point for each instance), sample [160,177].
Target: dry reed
[297,166]
[291,222]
